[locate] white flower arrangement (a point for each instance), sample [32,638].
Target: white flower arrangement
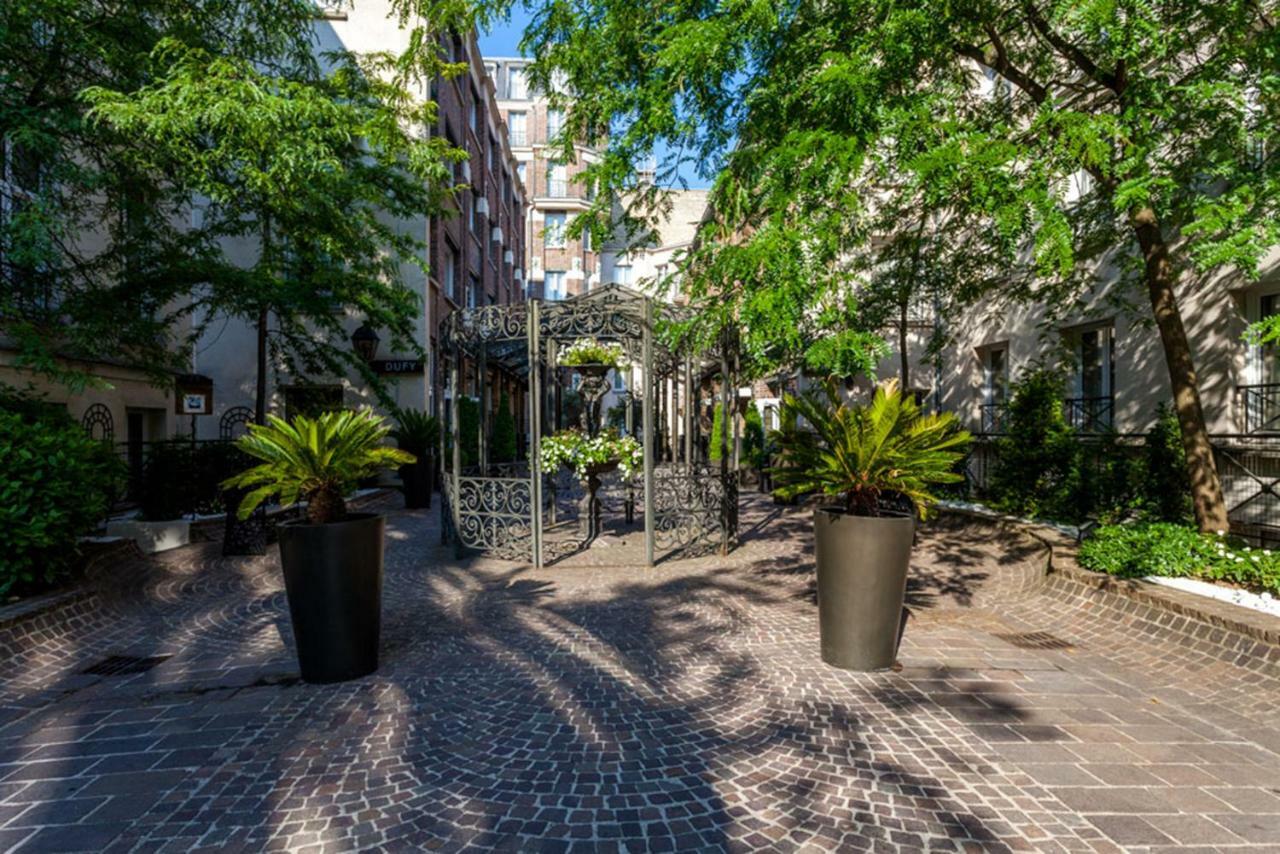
[589,351]
[578,451]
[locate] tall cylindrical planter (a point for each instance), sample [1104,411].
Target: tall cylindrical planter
[417,481]
[333,578]
[862,583]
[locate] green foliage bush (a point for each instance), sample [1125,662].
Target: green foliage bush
[1036,470]
[717,422]
[504,433]
[753,442]
[1042,468]
[1166,486]
[1172,550]
[469,431]
[56,485]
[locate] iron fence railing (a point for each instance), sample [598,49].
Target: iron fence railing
[1248,469]
[1261,405]
[172,478]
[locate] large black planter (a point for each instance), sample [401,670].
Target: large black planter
[418,483]
[333,577]
[862,582]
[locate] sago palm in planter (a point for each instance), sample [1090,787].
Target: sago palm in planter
[419,434]
[879,462]
[332,559]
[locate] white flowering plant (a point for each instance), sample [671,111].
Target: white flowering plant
[579,451]
[589,351]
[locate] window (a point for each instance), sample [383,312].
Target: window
[623,272]
[553,285]
[995,387]
[450,282]
[522,173]
[557,181]
[1094,383]
[553,233]
[475,110]
[619,381]
[473,292]
[555,123]
[21,179]
[995,370]
[517,128]
[1270,361]
[517,85]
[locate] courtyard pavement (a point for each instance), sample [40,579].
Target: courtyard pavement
[594,707]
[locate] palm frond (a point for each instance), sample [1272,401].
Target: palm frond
[861,454]
[330,452]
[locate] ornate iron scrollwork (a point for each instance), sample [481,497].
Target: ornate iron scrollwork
[98,423]
[494,515]
[234,422]
[689,506]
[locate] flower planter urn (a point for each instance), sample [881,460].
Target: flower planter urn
[333,579]
[862,581]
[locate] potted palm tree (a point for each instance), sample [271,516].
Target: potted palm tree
[419,434]
[875,466]
[332,558]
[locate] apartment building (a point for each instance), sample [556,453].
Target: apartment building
[475,253]
[559,266]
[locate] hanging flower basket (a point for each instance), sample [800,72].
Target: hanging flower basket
[589,356]
[588,455]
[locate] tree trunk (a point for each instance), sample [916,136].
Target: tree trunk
[903,355]
[260,401]
[1206,489]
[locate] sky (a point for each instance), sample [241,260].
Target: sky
[503,39]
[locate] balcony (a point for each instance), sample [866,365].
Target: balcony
[1089,414]
[1261,407]
[993,415]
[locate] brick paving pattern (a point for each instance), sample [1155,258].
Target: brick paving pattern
[611,708]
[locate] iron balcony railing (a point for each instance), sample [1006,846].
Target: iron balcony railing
[1089,414]
[993,417]
[1261,407]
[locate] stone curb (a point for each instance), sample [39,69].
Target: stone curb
[1202,618]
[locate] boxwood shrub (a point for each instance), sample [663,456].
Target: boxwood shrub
[56,485]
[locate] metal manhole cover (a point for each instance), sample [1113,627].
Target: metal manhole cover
[1035,640]
[123,665]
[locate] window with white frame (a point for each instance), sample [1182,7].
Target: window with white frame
[450,274]
[522,173]
[555,123]
[517,84]
[553,285]
[557,180]
[623,272]
[517,128]
[619,381]
[553,232]
[995,374]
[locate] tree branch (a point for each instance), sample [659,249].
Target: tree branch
[1070,51]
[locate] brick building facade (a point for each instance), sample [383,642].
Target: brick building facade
[558,265]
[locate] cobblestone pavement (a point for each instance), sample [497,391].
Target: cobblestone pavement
[589,707]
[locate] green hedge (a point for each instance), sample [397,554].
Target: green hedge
[56,485]
[1172,550]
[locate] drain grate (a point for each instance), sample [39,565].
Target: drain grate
[1035,640]
[123,665]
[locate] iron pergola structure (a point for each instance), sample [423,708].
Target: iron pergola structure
[514,509]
